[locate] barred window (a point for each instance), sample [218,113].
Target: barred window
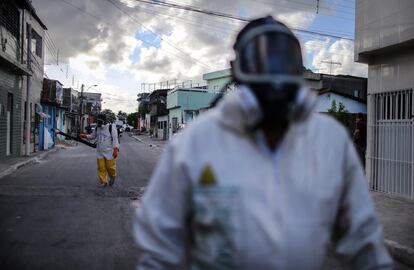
[10,18]
[396,105]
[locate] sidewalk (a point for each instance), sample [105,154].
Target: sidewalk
[9,166]
[152,142]
[397,217]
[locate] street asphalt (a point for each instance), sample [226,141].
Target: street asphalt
[54,215]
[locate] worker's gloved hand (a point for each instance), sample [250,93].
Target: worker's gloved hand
[83,136]
[115,154]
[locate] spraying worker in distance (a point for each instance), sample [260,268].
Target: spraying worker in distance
[107,148]
[260,181]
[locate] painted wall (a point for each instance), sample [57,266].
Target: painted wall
[61,123]
[382,23]
[174,113]
[36,81]
[189,99]
[46,125]
[217,79]
[324,102]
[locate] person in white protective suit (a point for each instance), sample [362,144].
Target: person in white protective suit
[107,147]
[260,182]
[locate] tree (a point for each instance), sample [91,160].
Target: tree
[110,115]
[122,114]
[341,114]
[132,117]
[333,107]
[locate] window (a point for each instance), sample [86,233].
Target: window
[394,105]
[356,93]
[36,43]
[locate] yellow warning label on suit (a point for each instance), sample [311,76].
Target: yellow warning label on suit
[207,177]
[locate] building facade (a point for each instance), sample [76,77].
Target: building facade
[184,104]
[384,33]
[16,18]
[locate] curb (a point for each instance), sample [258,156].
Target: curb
[401,253]
[29,161]
[142,141]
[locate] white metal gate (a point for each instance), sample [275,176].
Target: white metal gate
[390,144]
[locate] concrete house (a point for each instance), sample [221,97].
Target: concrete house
[184,104]
[51,102]
[21,36]
[384,39]
[158,113]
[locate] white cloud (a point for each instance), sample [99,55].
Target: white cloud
[192,44]
[340,51]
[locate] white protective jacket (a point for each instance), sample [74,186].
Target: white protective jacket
[105,142]
[220,199]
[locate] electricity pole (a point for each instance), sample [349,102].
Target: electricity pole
[81,110]
[29,66]
[331,63]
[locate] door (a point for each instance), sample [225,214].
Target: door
[9,115]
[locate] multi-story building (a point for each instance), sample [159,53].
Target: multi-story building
[158,113]
[72,114]
[384,39]
[21,35]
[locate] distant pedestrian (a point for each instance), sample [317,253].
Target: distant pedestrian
[359,136]
[107,146]
[260,182]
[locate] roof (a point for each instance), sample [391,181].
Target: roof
[329,90]
[26,4]
[158,92]
[52,80]
[217,74]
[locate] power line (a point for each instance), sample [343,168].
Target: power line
[110,24]
[160,37]
[230,16]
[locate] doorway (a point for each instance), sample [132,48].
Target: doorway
[9,124]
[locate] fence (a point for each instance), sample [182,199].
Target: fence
[390,147]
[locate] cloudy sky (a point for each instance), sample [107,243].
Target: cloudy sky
[121,44]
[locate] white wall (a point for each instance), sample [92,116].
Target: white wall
[324,102]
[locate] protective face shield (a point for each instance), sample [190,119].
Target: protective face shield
[269,61]
[101,119]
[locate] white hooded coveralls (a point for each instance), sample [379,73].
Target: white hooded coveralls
[105,142]
[256,209]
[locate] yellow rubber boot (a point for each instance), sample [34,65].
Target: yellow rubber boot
[111,168]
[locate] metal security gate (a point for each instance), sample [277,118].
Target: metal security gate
[390,142]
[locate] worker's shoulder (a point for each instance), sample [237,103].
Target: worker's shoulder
[326,125]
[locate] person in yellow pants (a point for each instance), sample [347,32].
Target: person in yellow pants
[107,147]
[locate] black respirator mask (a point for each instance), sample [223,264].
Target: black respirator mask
[269,62]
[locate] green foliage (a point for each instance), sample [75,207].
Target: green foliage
[142,110]
[341,114]
[132,117]
[122,114]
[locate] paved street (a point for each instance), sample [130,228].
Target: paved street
[54,216]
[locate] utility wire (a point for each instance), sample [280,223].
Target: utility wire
[144,41]
[229,16]
[156,34]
